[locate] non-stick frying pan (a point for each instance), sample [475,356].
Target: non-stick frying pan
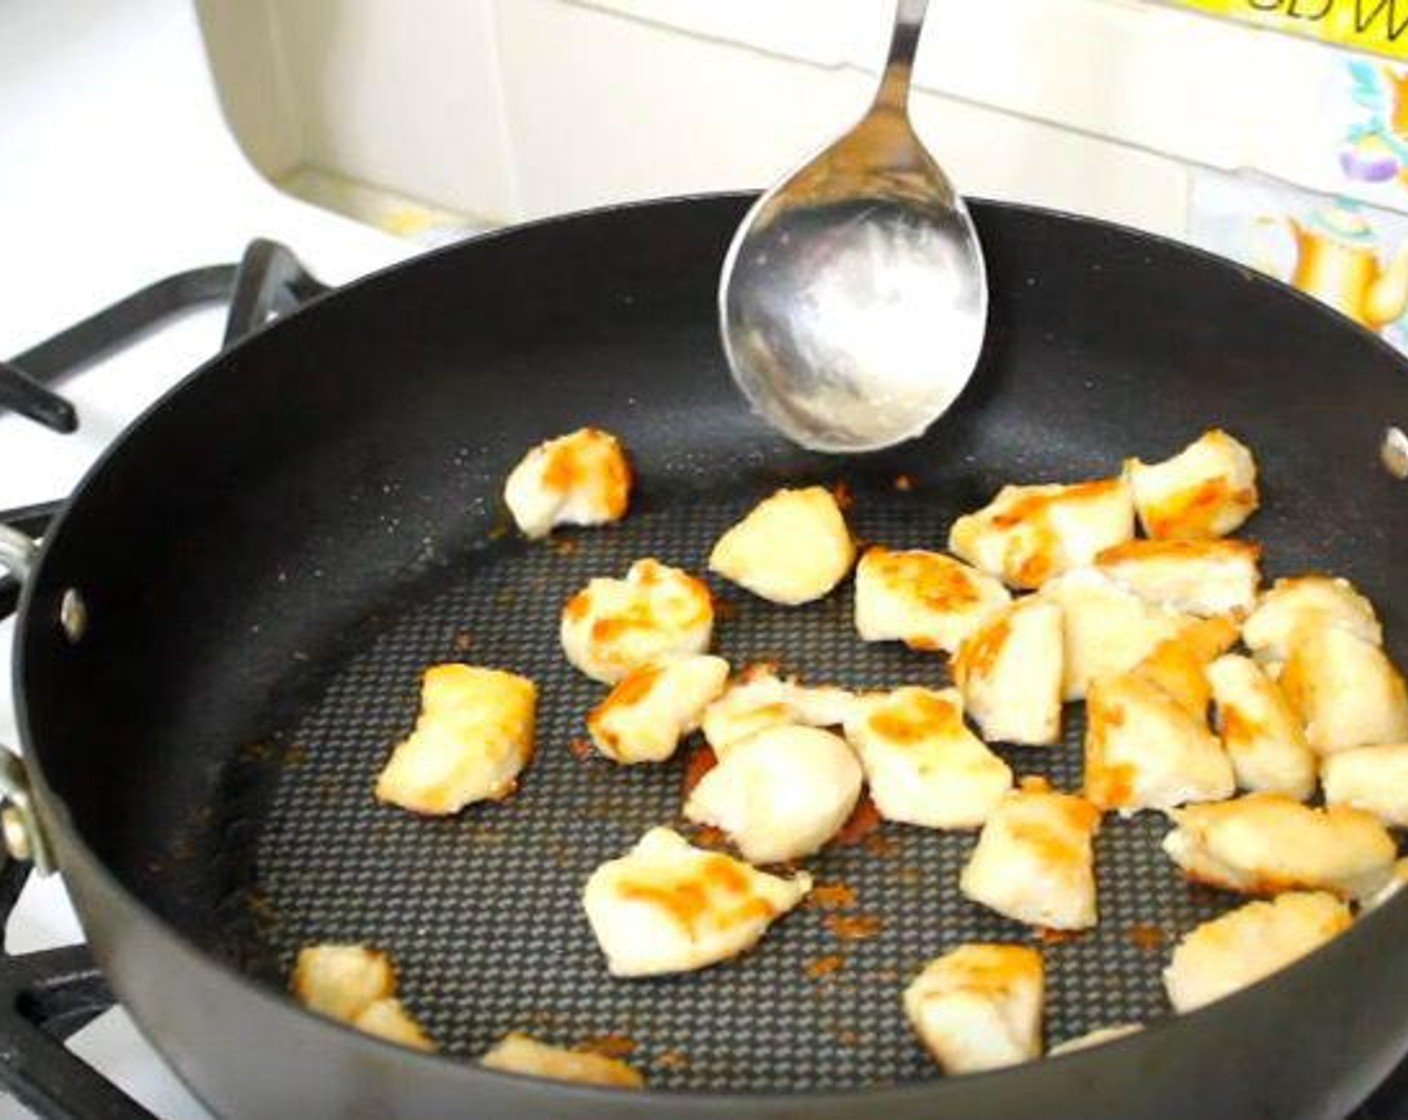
[269,558]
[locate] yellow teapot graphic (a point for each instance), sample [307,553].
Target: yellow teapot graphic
[1336,260]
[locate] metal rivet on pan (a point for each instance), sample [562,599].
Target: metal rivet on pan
[73,615]
[15,834]
[1394,452]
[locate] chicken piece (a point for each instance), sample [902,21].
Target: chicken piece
[1207,490]
[923,764]
[792,548]
[388,1019]
[1009,671]
[1307,603]
[1094,1038]
[577,479]
[1179,664]
[356,985]
[659,703]
[612,626]
[1374,779]
[1229,953]
[1260,733]
[1145,750]
[1107,629]
[1034,861]
[1028,534]
[926,600]
[668,907]
[1264,843]
[979,1007]
[1345,690]
[781,794]
[1196,577]
[758,699]
[473,736]
[341,981]
[521,1053]
[1398,879]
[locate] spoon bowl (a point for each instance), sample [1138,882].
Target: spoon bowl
[853,299]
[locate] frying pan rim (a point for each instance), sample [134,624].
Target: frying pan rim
[55,812]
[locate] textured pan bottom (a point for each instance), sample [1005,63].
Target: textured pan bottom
[482,911]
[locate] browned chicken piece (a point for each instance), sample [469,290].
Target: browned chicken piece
[1145,750]
[1374,779]
[578,479]
[1009,671]
[1179,665]
[927,600]
[1345,690]
[1198,577]
[1107,629]
[1028,534]
[355,985]
[521,1053]
[979,1007]
[472,738]
[1229,953]
[1265,843]
[1034,861]
[792,548]
[1262,735]
[644,717]
[1307,603]
[1207,490]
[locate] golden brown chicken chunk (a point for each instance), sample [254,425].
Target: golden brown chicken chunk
[577,479]
[1197,577]
[1345,690]
[473,736]
[647,714]
[1207,490]
[925,599]
[979,1007]
[521,1053]
[792,548]
[357,986]
[1010,671]
[1263,737]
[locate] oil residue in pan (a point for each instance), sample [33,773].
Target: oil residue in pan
[482,911]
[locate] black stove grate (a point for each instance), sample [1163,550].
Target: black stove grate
[47,996]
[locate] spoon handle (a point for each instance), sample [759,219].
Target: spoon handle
[893,94]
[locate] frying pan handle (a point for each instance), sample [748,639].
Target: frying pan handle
[20,829]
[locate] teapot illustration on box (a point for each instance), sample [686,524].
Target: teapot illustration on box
[1334,256]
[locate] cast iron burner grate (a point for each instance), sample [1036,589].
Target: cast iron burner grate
[47,996]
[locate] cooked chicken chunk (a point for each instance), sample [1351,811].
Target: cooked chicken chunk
[1009,671]
[472,737]
[1198,577]
[1264,843]
[758,699]
[520,1053]
[1374,779]
[1107,629]
[1250,943]
[1028,534]
[1094,1038]
[668,907]
[357,986]
[1345,690]
[1145,750]
[923,764]
[1034,861]
[925,599]
[1262,736]
[1207,490]
[614,625]
[1307,603]
[647,714]
[979,1007]
[781,794]
[577,479]
[792,548]
[1179,665]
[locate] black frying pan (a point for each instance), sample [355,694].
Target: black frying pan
[271,556]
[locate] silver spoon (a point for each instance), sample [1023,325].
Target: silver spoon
[853,300]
